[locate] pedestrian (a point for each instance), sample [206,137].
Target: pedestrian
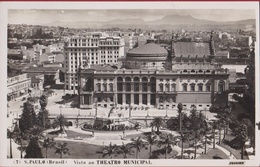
[93,133]
[123,133]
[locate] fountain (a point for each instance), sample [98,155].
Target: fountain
[112,121]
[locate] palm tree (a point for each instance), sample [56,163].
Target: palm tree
[19,138]
[109,150]
[166,140]
[196,137]
[241,136]
[151,139]
[180,108]
[10,135]
[214,126]
[60,122]
[47,143]
[61,149]
[124,149]
[138,144]
[220,125]
[36,132]
[157,122]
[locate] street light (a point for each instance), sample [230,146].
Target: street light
[60,109]
[166,111]
[205,109]
[79,112]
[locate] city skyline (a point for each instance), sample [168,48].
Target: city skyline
[31,16]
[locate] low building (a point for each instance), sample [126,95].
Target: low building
[18,86]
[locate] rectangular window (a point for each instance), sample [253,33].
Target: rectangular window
[161,88]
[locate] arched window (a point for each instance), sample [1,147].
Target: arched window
[104,87]
[192,87]
[185,71]
[161,87]
[221,86]
[200,87]
[167,88]
[136,84]
[119,83]
[208,87]
[173,87]
[192,71]
[184,87]
[128,84]
[153,84]
[99,87]
[111,89]
[144,84]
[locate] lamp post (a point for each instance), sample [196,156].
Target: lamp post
[96,109]
[205,109]
[147,112]
[166,111]
[60,109]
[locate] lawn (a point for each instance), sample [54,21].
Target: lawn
[213,154]
[81,150]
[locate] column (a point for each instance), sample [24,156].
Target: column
[132,93]
[140,99]
[148,98]
[157,101]
[123,94]
[132,99]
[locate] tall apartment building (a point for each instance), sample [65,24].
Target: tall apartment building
[89,49]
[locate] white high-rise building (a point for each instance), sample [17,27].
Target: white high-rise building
[89,49]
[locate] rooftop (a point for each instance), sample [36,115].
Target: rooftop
[148,49]
[186,49]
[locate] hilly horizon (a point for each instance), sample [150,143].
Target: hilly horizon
[169,20]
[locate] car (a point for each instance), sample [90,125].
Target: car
[78,138]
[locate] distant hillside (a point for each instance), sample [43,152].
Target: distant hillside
[167,22]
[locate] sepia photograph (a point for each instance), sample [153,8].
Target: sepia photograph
[122,84]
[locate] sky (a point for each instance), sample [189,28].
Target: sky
[43,16]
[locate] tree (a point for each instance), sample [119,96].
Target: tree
[35,132]
[151,139]
[109,150]
[11,134]
[124,149]
[43,115]
[28,117]
[197,126]
[20,137]
[43,120]
[250,132]
[43,102]
[166,140]
[62,149]
[47,143]
[33,150]
[213,128]
[157,122]
[180,108]
[241,137]
[138,144]
[60,122]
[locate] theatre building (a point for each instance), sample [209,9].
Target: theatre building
[153,76]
